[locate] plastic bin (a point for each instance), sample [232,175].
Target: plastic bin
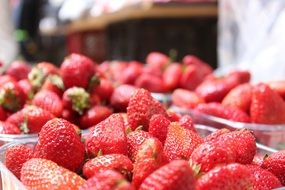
[9,181]
[269,135]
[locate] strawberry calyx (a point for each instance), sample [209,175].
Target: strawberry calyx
[36,77]
[196,168]
[80,99]
[24,126]
[56,80]
[172,55]
[139,128]
[100,153]
[9,100]
[128,130]
[94,81]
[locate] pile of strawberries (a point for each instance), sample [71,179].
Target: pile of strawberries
[145,148]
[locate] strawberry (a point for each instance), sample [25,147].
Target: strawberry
[121,96]
[76,70]
[104,90]
[94,115]
[59,141]
[53,83]
[108,136]
[134,140]
[158,127]
[44,174]
[16,156]
[130,74]
[177,175]
[242,76]
[50,101]
[262,179]
[8,128]
[12,98]
[216,134]
[173,116]
[210,154]
[278,86]
[71,116]
[157,60]
[267,106]
[187,122]
[149,158]
[118,162]
[239,97]
[258,160]
[151,83]
[76,99]
[226,177]
[30,119]
[3,114]
[19,70]
[27,88]
[180,142]
[141,108]
[218,110]
[275,163]
[205,68]
[186,98]
[107,180]
[171,76]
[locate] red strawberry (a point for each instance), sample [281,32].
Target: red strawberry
[50,101]
[263,180]
[12,98]
[275,163]
[118,162]
[45,174]
[95,100]
[59,141]
[3,114]
[19,70]
[258,160]
[134,140]
[94,115]
[76,70]
[171,76]
[218,110]
[71,116]
[16,156]
[107,180]
[158,127]
[141,108]
[157,60]
[148,158]
[130,74]
[30,119]
[27,88]
[210,154]
[108,136]
[279,87]
[242,76]
[76,99]
[104,90]
[267,106]
[239,97]
[187,122]
[173,116]
[177,175]
[116,68]
[186,98]
[180,142]
[151,83]
[121,96]
[8,128]
[54,83]
[193,60]
[216,134]
[226,177]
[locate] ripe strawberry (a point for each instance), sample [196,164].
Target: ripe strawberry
[27,88]
[12,98]
[30,119]
[53,83]
[275,163]
[134,140]
[44,174]
[171,76]
[50,101]
[267,106]
[104,90]
[158,127]
[59,141]
[6,78]
[19,70]
[180,142]
[258,160]
[157,60]
[76,70]
[130,74]
[177,175]
[94,115]
[242,76]
[8,128]
[186,98]
[205,68]
[187,122]
[71,116]
[153,71]
[118,162]
[107,180]
[151,83]
[121,96]
[116,68]
[239,97]
[226,177]
[141,108]
[3,114]
[216,134]
[218,110]
[108,136]
[76,99]
[210,154]
[279,87]
[173,116]
[16,156]
[148,158]
[263,179]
